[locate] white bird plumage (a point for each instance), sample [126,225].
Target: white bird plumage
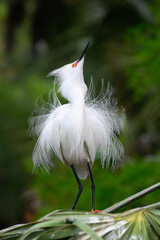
[75,132]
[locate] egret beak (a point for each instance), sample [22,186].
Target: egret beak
[85,50]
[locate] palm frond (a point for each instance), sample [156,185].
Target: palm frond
[137,224]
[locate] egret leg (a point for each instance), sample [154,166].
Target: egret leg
[79,185]
[92,187]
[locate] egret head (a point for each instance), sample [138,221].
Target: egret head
[70,77]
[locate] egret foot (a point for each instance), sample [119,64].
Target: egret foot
[96,211]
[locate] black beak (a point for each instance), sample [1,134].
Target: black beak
[85,50]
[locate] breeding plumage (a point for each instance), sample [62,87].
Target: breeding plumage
[75,132]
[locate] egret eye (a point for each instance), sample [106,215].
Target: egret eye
[75,63]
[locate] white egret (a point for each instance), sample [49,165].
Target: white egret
[76,131]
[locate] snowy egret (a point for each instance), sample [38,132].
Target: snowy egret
[76,131]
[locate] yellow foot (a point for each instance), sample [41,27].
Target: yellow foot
[96,211]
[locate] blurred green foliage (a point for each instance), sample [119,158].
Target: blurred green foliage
[144,76]
[124,51]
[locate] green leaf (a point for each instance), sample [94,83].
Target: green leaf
[86,229]
[140,224]
[60,233]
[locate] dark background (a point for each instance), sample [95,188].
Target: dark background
[37,36]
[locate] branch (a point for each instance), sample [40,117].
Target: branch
[154,205]
[128,200]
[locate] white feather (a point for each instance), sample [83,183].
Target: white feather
[76,131]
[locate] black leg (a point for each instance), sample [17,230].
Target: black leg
[79,184]
[92,187]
